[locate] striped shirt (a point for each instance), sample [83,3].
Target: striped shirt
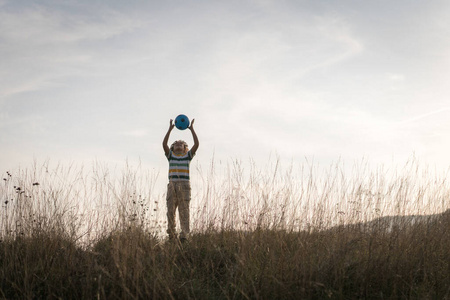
[179,166]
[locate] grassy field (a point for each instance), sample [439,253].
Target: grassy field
[72,233]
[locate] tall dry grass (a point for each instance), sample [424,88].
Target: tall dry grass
[257,233]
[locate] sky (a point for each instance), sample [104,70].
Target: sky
[84,81]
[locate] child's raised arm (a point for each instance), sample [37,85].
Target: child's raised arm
[194,136]
[166,138]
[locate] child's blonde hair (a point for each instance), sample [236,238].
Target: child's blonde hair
[186,148]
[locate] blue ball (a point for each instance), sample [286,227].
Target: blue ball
[181,122]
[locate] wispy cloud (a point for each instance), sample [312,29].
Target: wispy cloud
[424,116]
[135,133]
[39,25]
[41,44]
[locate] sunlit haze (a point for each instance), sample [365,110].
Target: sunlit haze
[321,80]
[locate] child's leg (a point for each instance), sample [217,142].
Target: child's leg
[171,209]
[183,208]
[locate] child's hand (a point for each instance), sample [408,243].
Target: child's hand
[192,124]
[171,126]
[194,135]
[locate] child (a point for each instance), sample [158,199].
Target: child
[179,187]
